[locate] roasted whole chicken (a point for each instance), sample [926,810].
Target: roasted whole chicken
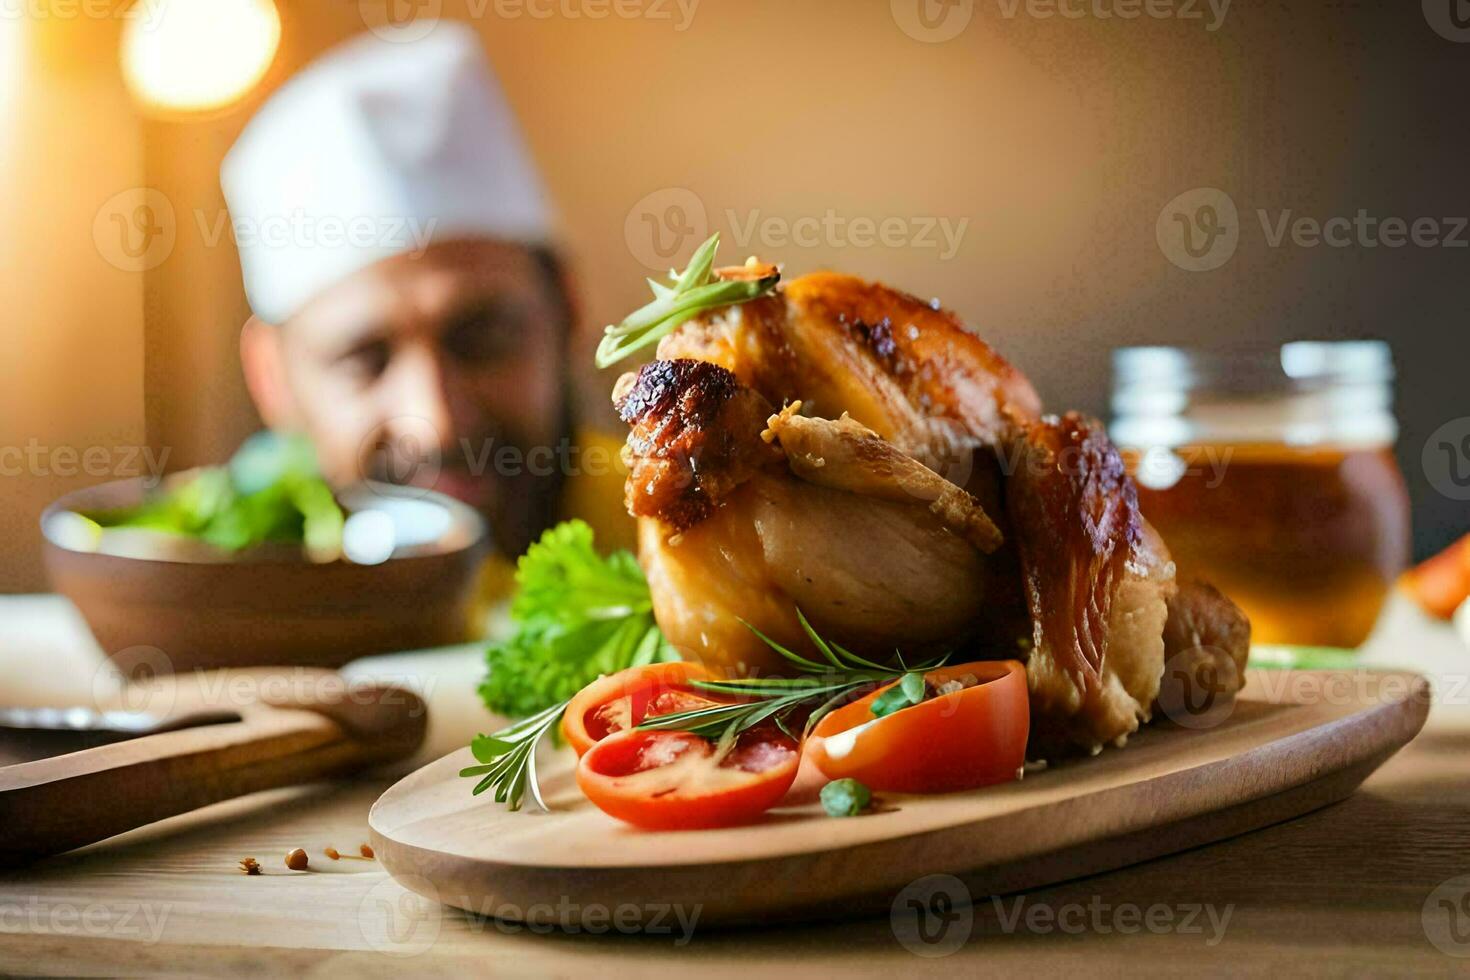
[845,449]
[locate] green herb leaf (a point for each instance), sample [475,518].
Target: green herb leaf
[845,798]
[509,758]
[575,617]
[693,292]
[908,691]
[890,701]
[784,700]
[270,491]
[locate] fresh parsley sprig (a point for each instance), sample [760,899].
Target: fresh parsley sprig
[576,616]
[692,292]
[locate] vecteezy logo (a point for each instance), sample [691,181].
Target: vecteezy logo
[1195,691]
[664,225]
[1455,457]
[135,679]
[400,916]
[400,21]
[1446,917]
[135,230]
[404,451]
[1446,459]
[932,21]
[933,916]
[1199,230]
[1450,19]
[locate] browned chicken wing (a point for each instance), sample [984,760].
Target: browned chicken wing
[1206,642]
[693,438]
[846,455]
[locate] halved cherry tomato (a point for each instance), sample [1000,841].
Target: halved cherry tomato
[664,780]
[970,738]
[622,700]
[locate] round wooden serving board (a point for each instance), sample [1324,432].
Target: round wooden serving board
[1294,741]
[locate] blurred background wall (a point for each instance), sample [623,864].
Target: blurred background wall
[71,324]
[1026,158]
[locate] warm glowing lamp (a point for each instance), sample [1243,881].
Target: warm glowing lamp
[198,55]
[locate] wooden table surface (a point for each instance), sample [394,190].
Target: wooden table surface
[1365,886]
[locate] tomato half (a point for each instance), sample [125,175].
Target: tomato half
[663,780]
[621,701]
[969,738]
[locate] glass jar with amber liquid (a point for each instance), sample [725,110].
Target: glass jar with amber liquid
[1272,477]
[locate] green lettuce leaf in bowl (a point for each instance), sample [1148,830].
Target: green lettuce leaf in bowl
[271,491]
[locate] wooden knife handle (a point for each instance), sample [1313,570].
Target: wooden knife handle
[56,804]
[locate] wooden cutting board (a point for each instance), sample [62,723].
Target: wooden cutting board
[273,727]
[1294,741]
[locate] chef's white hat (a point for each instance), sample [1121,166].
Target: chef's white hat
[368,153]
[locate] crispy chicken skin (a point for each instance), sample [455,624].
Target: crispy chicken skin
[902,367]
[847,455]
[1201,616]
[1206,639]
[918,500]
[779,544]
[1097,582]
[730,530]
[691,440]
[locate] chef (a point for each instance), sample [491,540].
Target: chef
[411,316]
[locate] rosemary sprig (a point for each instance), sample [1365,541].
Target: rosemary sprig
[692,292]
[776,703]
[823,688]
[509,758]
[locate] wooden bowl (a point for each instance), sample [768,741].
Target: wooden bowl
[175,604]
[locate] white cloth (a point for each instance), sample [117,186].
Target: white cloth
[372,151]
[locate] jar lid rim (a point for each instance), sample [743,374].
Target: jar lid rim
[1299,362]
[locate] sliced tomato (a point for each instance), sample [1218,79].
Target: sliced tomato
[972,737]
[621,701]
[664,780]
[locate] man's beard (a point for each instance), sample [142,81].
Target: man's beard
[517,505]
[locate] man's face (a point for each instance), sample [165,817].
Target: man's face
[442,371]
